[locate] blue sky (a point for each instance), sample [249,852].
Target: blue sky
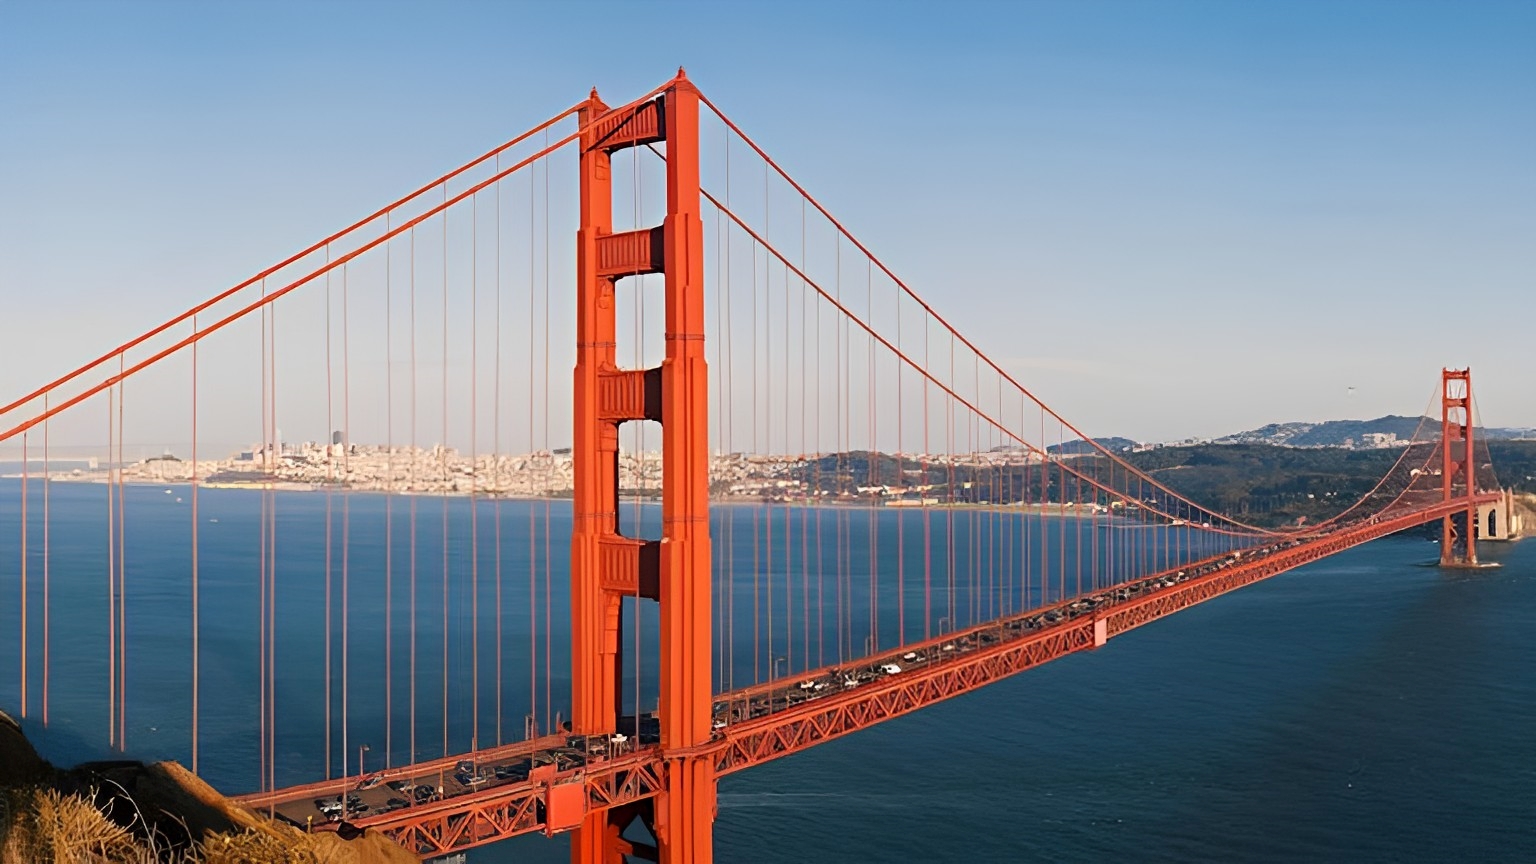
[1167,219]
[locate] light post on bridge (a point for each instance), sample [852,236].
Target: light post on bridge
[361,749]
[773,675]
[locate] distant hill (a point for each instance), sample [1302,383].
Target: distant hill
[1268,485]
[1071,448]
[1363,434]
[1389,431]
[1331,433]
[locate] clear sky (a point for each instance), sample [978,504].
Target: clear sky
[1168,219]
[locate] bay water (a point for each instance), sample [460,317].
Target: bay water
[1363,708]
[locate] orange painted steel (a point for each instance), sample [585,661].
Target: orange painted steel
[605,565]
[685,812]
[1457,457]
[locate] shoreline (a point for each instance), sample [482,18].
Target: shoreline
[1051,511]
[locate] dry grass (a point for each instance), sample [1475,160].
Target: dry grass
[46,826]
[129,814]
[254,847]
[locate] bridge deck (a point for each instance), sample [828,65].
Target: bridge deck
[533,785]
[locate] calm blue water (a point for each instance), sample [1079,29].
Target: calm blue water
[1364,709]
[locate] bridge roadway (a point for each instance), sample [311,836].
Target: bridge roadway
[548,783]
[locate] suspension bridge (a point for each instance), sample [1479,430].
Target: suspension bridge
[781,499]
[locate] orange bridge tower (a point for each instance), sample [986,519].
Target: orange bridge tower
[607,566]
[1457,462]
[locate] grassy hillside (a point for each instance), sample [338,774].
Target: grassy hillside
[132,813]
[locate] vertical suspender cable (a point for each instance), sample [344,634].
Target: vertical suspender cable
[1000,499]
[717,568]
[533,582]
[415,460]
[638,459]
[789,580]
[548,602]
[975,520]
[757,648]
[871,513]
[1061,511]
[816,444]
[261,558]
[122,571]
[111,575]
[496,449]
[196,601]
[923,493]
[842,395]
[1045,531]
[277,443]
[976,517]
[474,472]
[346,519]
[24,475]
[1094,578]
[330,482]
[766,398]
[1077,528]
[389,500]
[47,615]
[805,512]
[729,413]
[949,515]
[787,529]
[901,482]
[443,472]
[264,455]
[1026,559]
